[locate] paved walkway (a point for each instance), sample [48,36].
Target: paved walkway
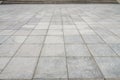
[60,42]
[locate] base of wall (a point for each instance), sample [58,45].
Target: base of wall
[56,2]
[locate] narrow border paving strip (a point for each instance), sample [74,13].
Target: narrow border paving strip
[60,42]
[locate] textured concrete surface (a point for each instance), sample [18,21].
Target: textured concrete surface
[60,1]
[60,42]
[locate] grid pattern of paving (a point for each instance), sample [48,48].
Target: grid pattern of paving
[60,42]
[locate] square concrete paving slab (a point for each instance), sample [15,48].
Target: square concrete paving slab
[53,50]
[29,50]
[42,26]
[55,27]
[83,68]
[22,32]
[71,32]
[116,31]
[92,39]
[8,50]
[111,39]
[34,40]
[27,27]
[82,26]
[69,26]
[19,68]
[116,48]
[15,40]
[55,32]
[109,67]
[77,50]
[3,63]
[38,32]
[101,50]
[55,69]
[54,40]
[87,32]
[73,39]
[3,38]
[7,32]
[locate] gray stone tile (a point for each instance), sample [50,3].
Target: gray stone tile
[55,27]
[77,50]
[53,50]
[34,39]
[55,69]
[29,50]
[83,68]
[103,32]
[38,32]
[73,39]
[71,32]
[55,32]
[3,62]
[54,39]
[3,38]
[82,26]
[69,27]
[101,50]
[116,31]
[27,27]
[111,39]
[15,40]
[109,67]
[7,32]
[8,50]
[42,26]
[87,32]
[92,39]
[19,68]
[22,32]
[116,48]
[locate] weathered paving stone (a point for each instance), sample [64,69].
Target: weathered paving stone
[69,26]
[116,48]
[83,68]
[87,32]
[53,50]
[77,50]
[81,26]
[3,38]
[42,26]
[3,62]
[54,39]
[22,32]
[101,50]
[27,27]
[38,32]
[55,27]
[111,39]
[29,50]
[7,32]
[8,50]
[34,40]
[19,68]
[73,39]
[71,32]
[55,69]
[15,40]
[92,39]
[109,67]
[55,32]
